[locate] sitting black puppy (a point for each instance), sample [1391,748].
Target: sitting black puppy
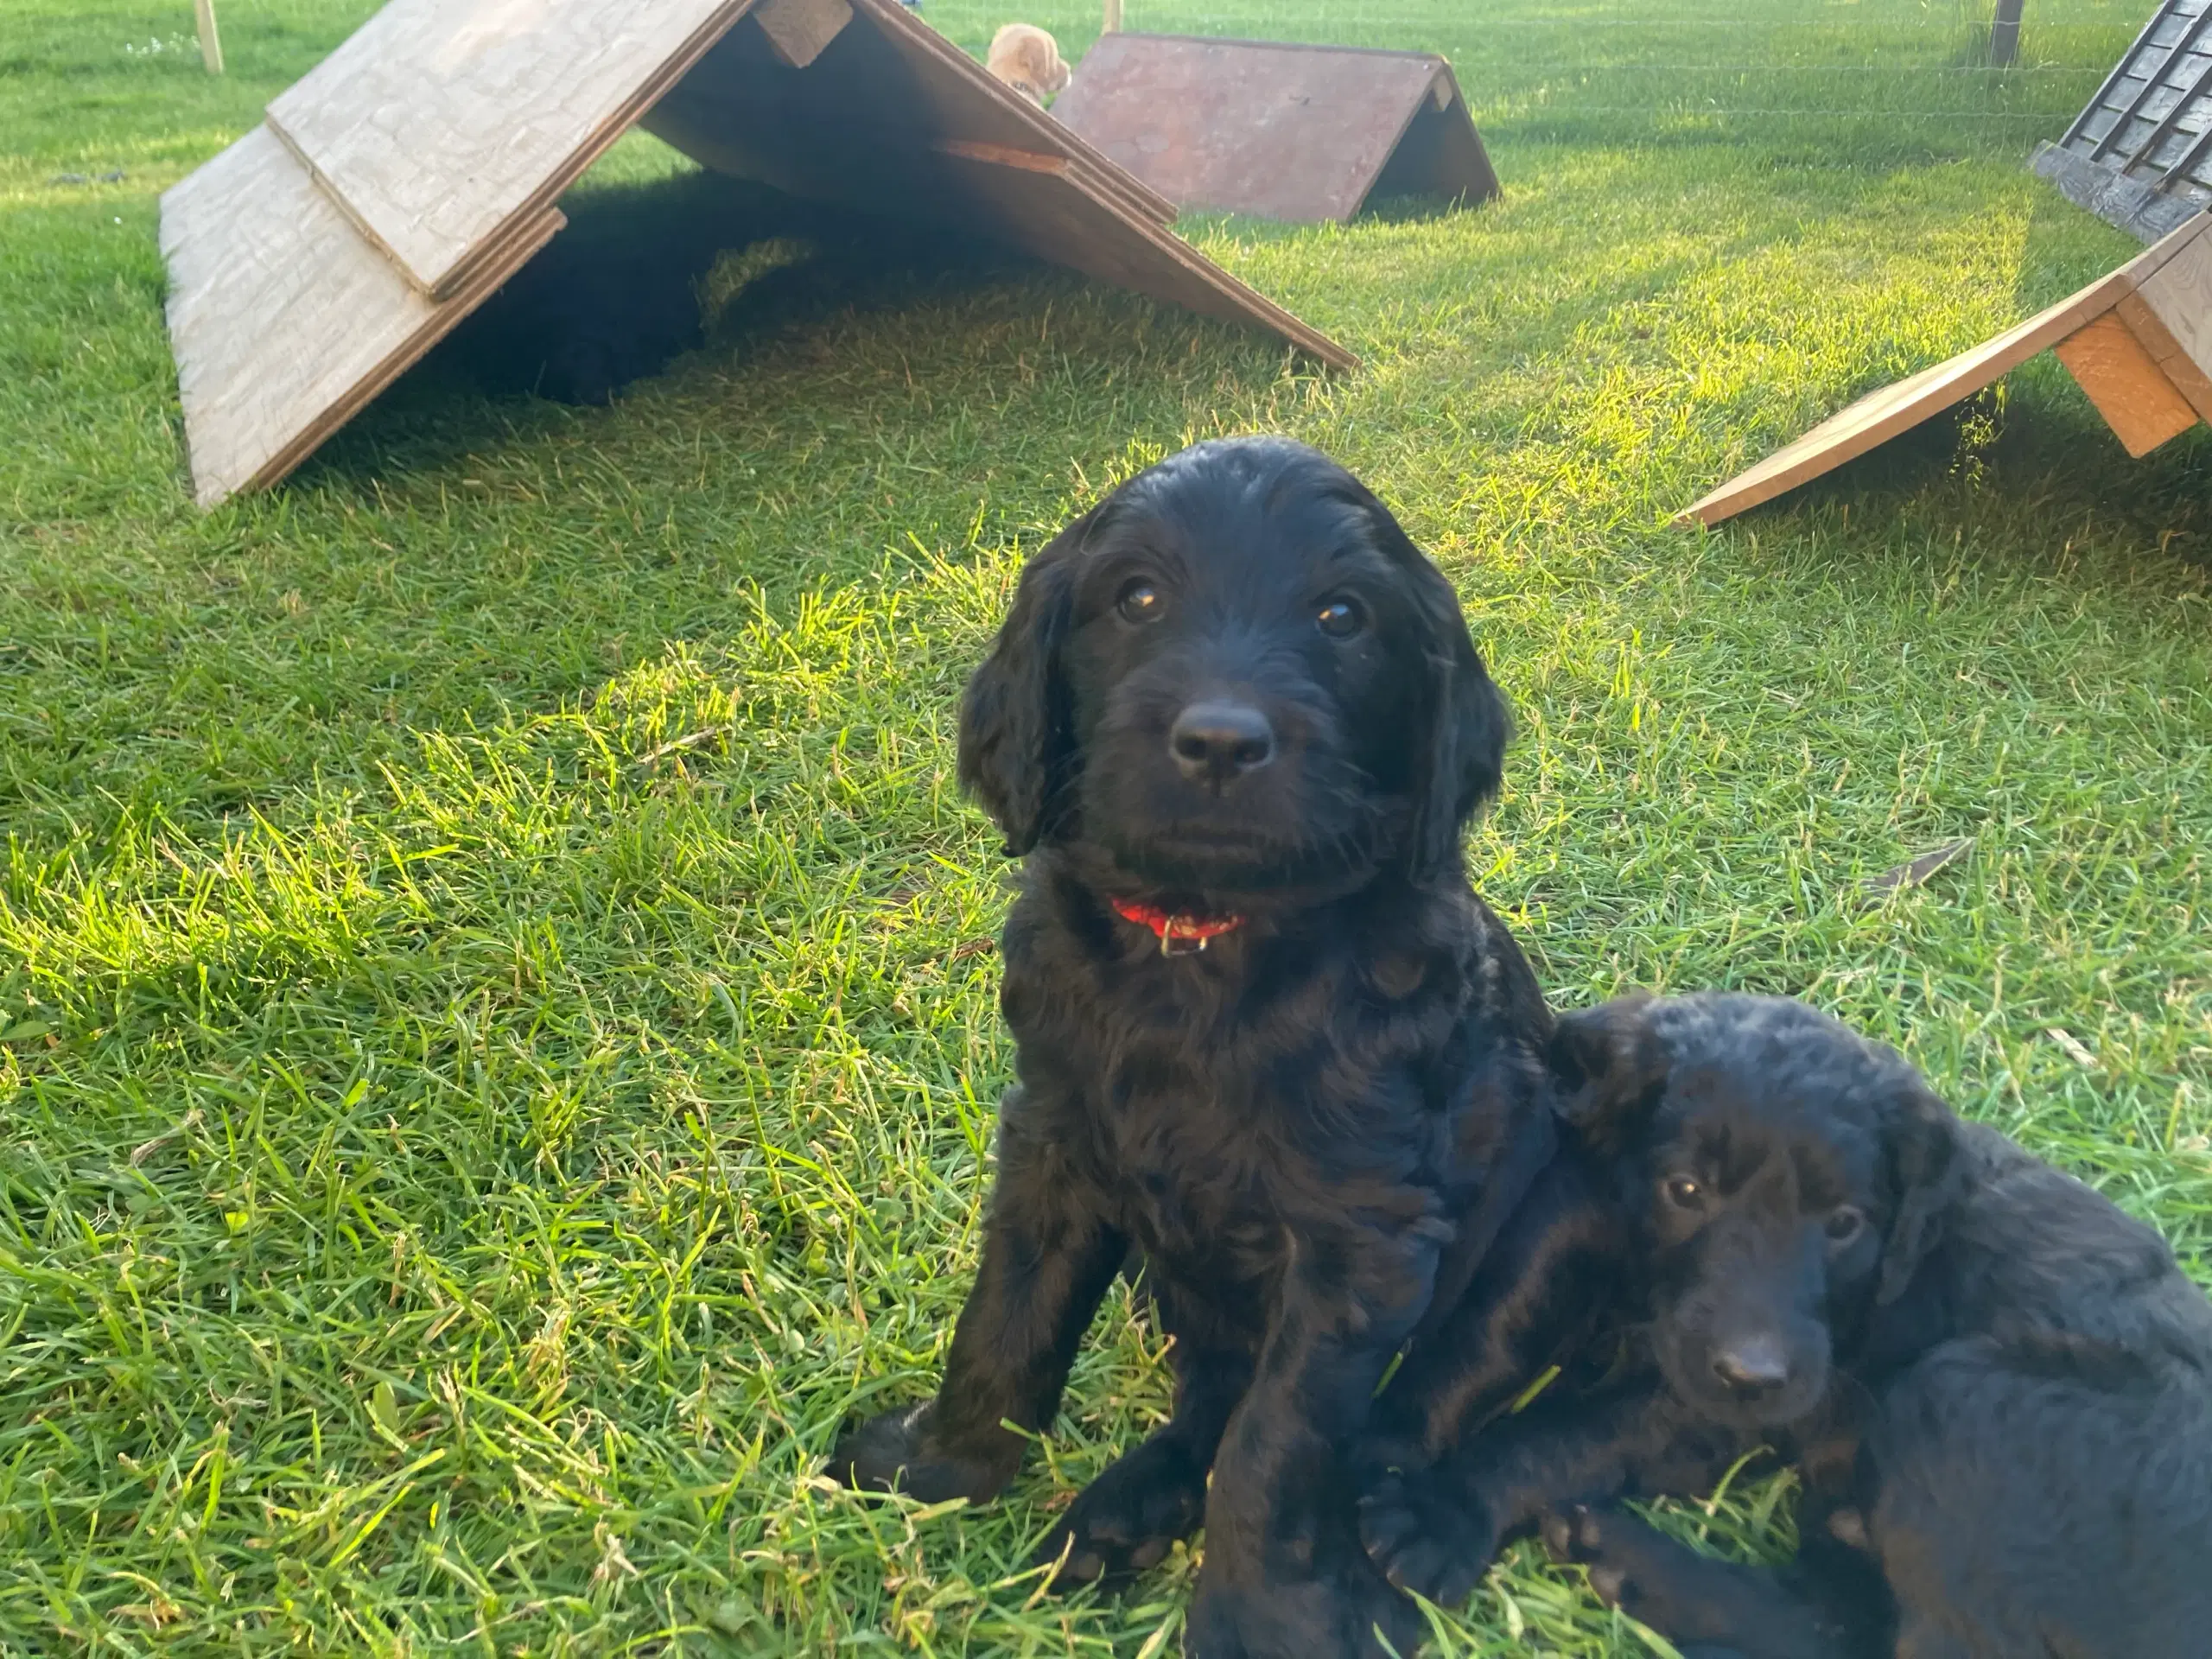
[1998,1387]
[1270,1046]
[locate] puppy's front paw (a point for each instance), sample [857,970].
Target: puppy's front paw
[1576,1536]
[1349,1614]
[1428,1535]
[894,1453]
[1125,1521]
[1648,1576]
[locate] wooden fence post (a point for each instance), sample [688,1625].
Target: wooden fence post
[1113,16]
[211,43]
[2005,34]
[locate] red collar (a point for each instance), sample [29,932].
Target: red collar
[1179,935]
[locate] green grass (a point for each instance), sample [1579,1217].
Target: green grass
[495,1049]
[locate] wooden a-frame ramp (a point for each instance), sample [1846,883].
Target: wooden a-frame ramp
[1295,132]
[2138,341]
[416,169]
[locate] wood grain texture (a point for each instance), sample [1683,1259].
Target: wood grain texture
[440,123]
[998,156]
[2180,292]
[2174,362]
[799,29]
[1880,416]
[284,321]
[2125,383]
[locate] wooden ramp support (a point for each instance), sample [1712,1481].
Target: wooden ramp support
[1302,133]
[2140,156]
[418,166]
[2138,341]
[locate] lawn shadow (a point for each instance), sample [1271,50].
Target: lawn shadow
[644,274]
[2031,440]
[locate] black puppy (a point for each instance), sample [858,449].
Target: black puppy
[1998,1387]
[1269,1044]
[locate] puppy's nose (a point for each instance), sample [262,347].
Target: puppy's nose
[1751,1364]
[1216,741]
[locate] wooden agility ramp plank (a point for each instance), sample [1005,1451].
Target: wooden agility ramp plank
[1300,133]
[397,186]
[286,322]
[2138,341]
[439,121]
[2140,155]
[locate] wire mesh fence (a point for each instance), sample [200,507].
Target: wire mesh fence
[1916,72]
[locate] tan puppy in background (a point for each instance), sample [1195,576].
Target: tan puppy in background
[1027,60]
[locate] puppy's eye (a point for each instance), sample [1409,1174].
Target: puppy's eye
[1340,618]
[1684,1193]
[1139,602]
[1844,1225]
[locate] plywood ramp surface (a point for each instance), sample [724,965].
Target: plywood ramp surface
[439,121]
[2161,305]
[2180,291]
[283,320]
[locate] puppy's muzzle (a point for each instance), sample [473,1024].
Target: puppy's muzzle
[1215,743]
[1753,1367]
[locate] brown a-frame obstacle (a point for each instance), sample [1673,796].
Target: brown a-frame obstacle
[418,166]
[1302,133]
[2137,341]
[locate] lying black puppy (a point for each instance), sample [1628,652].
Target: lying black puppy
[1999,1388]
[1269,1044]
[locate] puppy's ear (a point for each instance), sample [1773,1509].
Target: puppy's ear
[1609,1063]
[1920,1139]
[1463,759]
[1015,745]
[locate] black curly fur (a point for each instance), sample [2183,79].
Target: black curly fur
[1303,1131]
[1997,1388]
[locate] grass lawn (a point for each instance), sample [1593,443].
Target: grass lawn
[497,1040]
